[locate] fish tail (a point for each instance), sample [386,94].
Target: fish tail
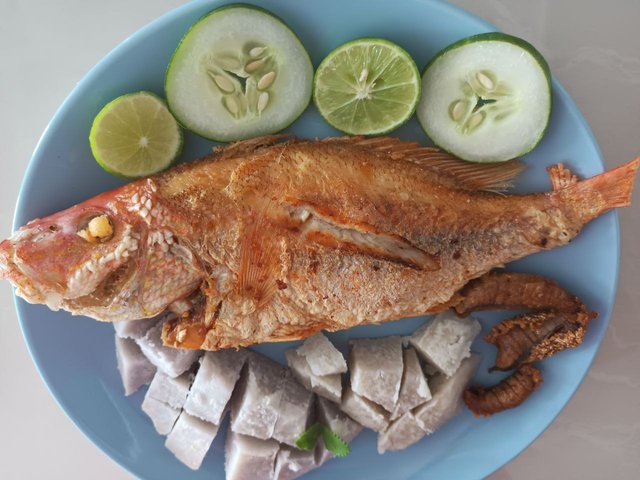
[596,195]
[615,186]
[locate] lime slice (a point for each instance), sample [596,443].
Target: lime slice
[135,135]
[367,86]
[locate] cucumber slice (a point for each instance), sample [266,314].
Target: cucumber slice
[239,72]
[486,98]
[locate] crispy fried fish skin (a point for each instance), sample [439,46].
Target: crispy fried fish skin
[509,393]
[282,239]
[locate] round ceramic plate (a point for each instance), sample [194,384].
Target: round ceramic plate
[76,356]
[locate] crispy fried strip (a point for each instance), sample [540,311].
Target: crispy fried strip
[509,393]
[534,336]
[557,342]
[516,337]
[504,290]
[559,319]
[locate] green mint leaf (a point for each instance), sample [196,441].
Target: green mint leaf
[334,443]
[308,440]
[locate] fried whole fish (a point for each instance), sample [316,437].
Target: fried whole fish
[271,240]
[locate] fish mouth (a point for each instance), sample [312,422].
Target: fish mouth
[109,298]
[92,285]
[25,286]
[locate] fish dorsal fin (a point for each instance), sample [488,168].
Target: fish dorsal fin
[561,177]
[246,147]
[467,175]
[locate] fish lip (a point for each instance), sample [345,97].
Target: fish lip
[21,281]
[5,248]
[28,284]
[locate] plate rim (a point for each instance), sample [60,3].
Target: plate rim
[157,23]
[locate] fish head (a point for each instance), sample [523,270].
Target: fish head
[100,258]
[67,255]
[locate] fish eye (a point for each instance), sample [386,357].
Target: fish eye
[98,229]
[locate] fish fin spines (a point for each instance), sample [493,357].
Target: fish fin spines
[259,260]
[561,177]
[491,177]
[614,187]
[494,177]
[358,239]
[246,147]
[392,147]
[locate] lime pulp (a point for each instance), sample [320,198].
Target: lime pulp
[135,135]
[367,86]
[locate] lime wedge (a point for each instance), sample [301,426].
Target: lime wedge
[135,135]
[367,86]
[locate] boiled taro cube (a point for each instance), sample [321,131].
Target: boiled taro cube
[214,383]
[172,361]
[431,415]
[190,440]
[446,396]
[162,415]
[446,340]
[322,356]
[327,386]
[363,411]
[400,433]
[413,389]
[134,329]
[430,370]
[376,369]
[295,412]
[249,458]
[134,367]
[329,414]
[172,391]
[292,463]
[256,405]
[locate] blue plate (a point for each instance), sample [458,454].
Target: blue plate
[76,357]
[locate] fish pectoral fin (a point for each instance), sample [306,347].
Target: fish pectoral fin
[561,177]
[259,259]
[246,147]
[493,177]
[364,240]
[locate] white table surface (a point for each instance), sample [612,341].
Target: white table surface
[593,49]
